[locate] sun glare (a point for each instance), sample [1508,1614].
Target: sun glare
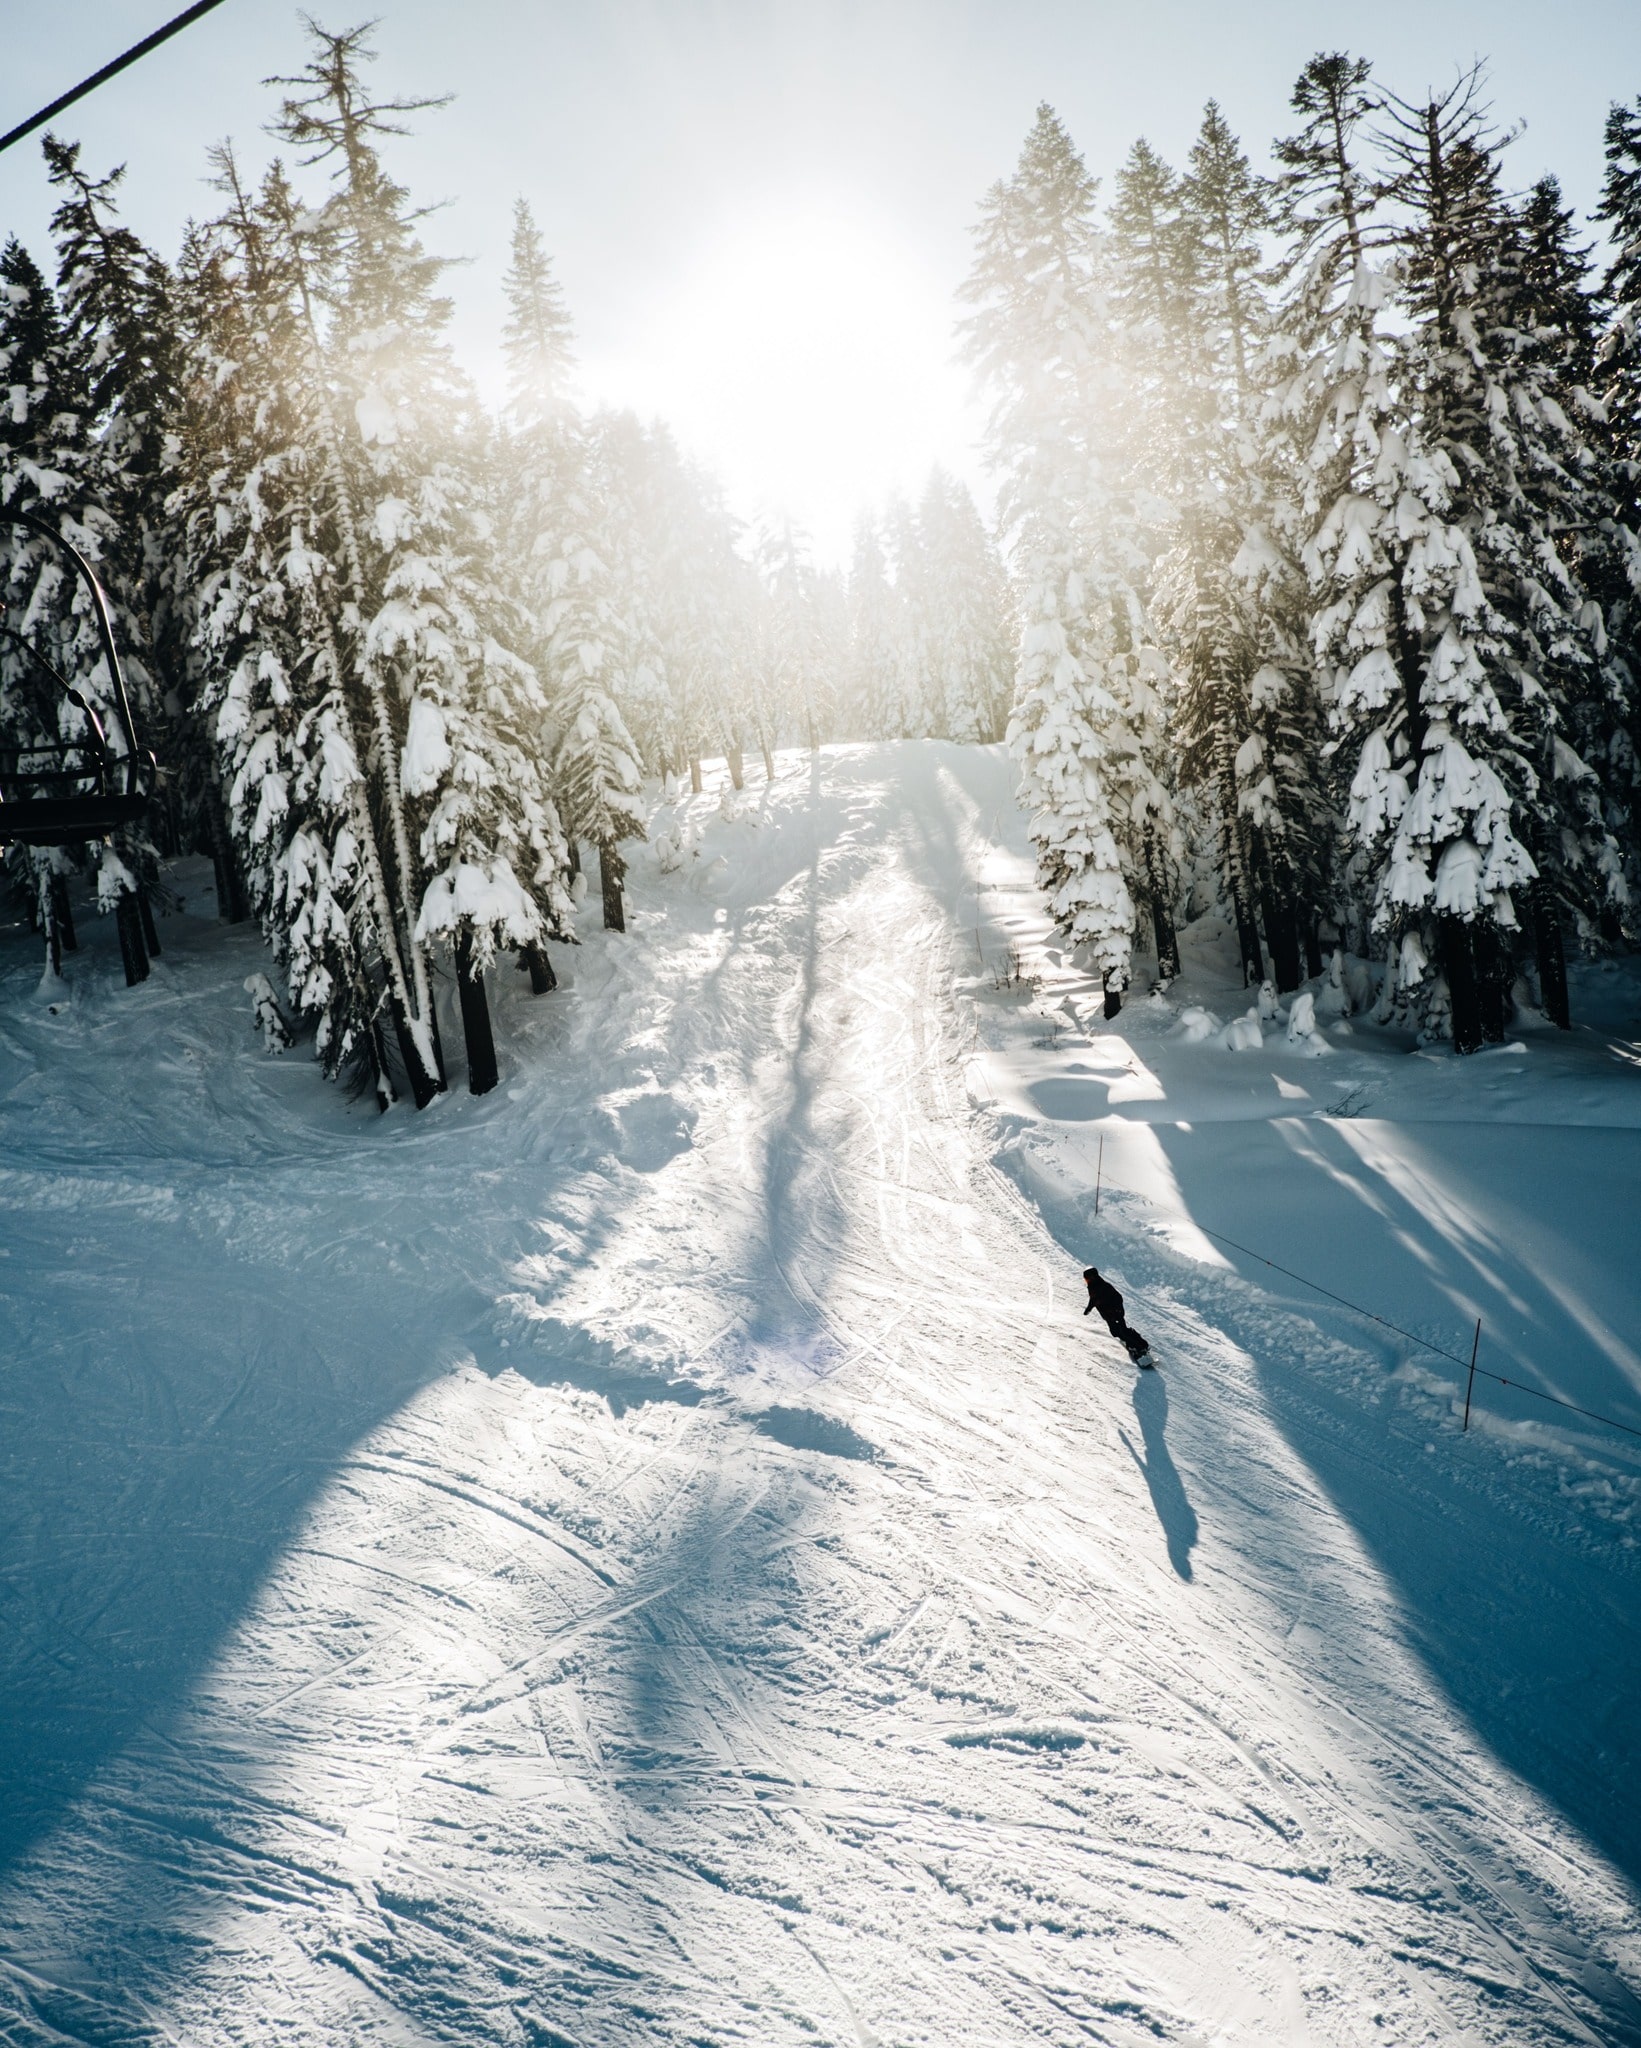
[807,358]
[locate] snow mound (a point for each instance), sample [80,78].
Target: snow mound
[655,1127]
[1242,1034]
[1304,1037]
[1195,1024]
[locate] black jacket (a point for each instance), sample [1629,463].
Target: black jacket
[1103,1296]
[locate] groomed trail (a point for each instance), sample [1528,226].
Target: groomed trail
[655,1554]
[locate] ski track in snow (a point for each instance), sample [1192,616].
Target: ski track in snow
[655,1555]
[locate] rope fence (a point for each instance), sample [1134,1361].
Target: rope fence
[1469,1364]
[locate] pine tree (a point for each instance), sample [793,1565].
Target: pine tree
[966,605]
[870,686]
[119,325]
[800,672]
[40,450]
[83,458]
[1040,341]
[1615,379]
[257,550]
[1620,355]
[632,543]
[907,711]
[538,332]
[694,586]
[476,855]
[1249,718]
[1478,629]
[557,548]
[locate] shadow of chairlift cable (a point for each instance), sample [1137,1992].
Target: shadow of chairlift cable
[1469,1365]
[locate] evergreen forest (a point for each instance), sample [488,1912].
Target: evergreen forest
[1310,597]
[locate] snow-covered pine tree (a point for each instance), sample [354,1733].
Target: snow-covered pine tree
[555,547]
[1324,390]
[68,465]
[1449,582]
[477,858]
[41,446]
[1247,718]
[1589,550]
[801,674]
[908,708]
[1615,379]
[257,551]
[969,625]
[699,581]
[1619,370]
[1040,342]
[751,706]
[119,329]
[869,689]
[637,546]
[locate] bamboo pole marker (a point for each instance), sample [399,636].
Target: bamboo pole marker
[1475,1346]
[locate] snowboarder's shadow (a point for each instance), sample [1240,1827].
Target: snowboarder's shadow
[1174,1511]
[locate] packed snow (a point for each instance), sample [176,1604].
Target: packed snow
[656,1554]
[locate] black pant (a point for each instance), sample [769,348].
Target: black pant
[1104,1297]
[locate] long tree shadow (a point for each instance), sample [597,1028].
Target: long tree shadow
[162,1445]
[201,1343]
[1530,1624]
[1161,1475]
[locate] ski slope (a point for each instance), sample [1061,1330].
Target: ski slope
[656,1555]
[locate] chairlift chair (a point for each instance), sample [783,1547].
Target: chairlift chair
[62,792]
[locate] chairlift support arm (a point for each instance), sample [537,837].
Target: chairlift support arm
[110,70]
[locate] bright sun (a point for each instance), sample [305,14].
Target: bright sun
[807,357]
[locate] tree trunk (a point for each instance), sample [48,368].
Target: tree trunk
[694,775]
[63,914]
[443,1072]
[145,910]
[1162,922]
[737,767]
[128,923]
[1552,959]
[611,869]
[1282,930]
[482,1072]
[1237,879]
[423,1085]
[408,965]
[574,846]
[385,1095]
[54,929]
[542,978]
[769,760]
[1113,1000]
[1247,932]
[423,1063]
[1314,963]
[1459,962]
[230,895]
[1492,982]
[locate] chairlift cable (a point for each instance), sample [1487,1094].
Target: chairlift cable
[78,92]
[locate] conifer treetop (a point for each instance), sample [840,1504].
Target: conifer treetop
[538,332]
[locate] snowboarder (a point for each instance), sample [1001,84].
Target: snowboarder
[1104,1297]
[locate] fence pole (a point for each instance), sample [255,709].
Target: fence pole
[1475,1346]
[1099,1174]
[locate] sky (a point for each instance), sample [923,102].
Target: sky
[760,209]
